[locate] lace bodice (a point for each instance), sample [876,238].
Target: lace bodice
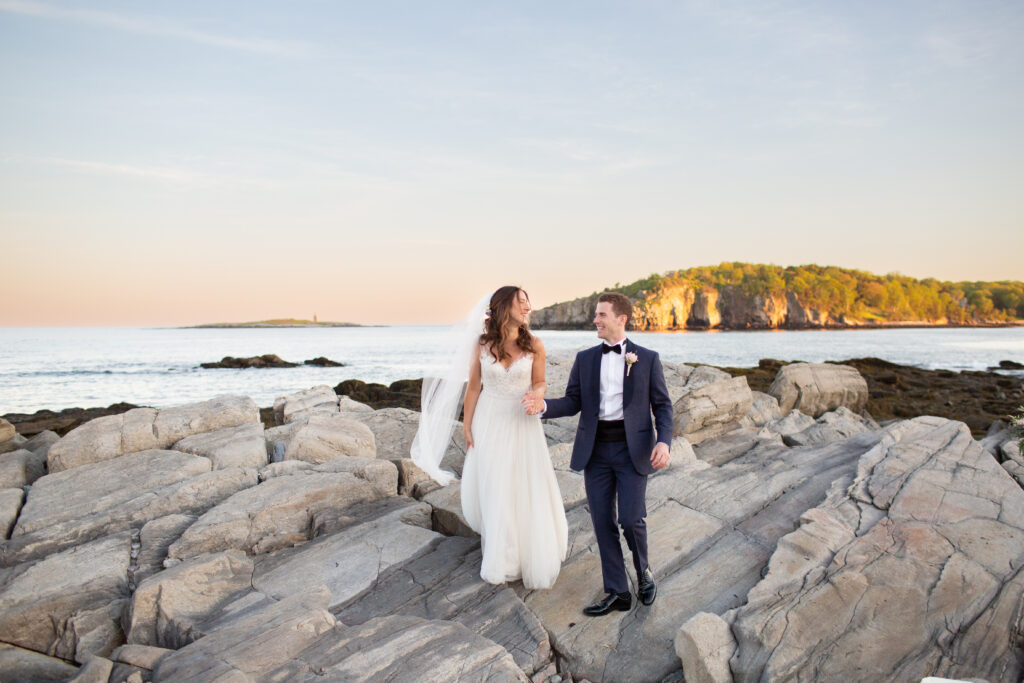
[502,383]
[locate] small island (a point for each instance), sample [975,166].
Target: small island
[276,322]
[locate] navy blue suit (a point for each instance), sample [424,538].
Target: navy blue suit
[617,471]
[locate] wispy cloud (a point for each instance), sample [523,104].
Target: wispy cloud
[154,26]
[173,175]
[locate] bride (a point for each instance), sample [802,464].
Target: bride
[509,492]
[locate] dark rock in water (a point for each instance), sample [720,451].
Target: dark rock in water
[267,360]
[62,421]
[324,362]
[895,391]
[1008,365]
[405,393]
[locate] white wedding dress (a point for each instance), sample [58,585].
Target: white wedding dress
[509,492]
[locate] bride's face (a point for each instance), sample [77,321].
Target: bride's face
[520,310]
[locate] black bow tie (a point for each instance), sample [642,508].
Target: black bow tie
[615,349]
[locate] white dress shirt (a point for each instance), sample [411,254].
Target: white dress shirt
[613,367]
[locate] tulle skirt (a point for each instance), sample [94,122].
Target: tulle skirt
[510,495]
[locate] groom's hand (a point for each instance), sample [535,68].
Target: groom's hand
[533,404]
[659,456]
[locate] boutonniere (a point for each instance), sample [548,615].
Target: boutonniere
[630,359]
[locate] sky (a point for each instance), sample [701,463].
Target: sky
[178,163]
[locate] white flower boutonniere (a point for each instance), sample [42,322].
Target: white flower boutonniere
[630,359]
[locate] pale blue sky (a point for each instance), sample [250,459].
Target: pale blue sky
[390,161]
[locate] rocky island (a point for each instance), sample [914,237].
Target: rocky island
[794,537]
[744,296]
[278,322]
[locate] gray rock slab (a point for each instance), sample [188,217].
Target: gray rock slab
[168,608]
[382,475]
[69,604]
[321,437]
[142,429]
[816,388]
[402,648]
[445,584]
[239,446]
[141,656]
[911,568]
[13,443]
[277,513]
[251,644]
[75,506]
[728,447]
[18,665]
[348,561]
[711,530]
[94,670]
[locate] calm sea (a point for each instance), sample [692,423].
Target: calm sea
[158,366]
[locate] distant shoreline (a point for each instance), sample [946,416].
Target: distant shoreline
[286,322]
[801,328]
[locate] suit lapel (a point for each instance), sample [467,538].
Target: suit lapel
[627,377]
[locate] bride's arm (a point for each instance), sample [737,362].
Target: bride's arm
[539,380]
[469,404]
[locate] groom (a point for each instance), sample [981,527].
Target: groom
[615,387]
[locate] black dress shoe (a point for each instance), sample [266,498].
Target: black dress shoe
[646,590]
[610,603]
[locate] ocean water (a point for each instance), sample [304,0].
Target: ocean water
[65,367]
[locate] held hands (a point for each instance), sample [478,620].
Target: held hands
[533,403]
[659,456]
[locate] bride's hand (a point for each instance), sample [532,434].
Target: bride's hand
[468,434]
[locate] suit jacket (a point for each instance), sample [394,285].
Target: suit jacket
[643,392]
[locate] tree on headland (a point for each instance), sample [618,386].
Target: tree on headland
[855,294]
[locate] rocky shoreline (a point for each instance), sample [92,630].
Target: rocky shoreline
[977,398]
[215,541]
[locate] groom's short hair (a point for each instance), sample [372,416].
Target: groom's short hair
[621,305]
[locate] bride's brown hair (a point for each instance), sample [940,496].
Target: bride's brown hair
[498,318]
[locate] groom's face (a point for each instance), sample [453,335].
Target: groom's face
[610,327]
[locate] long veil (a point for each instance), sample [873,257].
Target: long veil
[442,396]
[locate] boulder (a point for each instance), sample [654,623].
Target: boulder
[241,446]
[913,566]
[40,443]
[764,409]
[712,408]
[69,604]
[249,645]
[320,437]
[320,399]
[74,506]
[793,422]
[13,443]
[705,644]
[10,506]
[20,468]
[348,405]
[382,475]
[395,428]
[816,388]
[445,584]
[834,425]
[276,514]
[401,648]
[7,431]
[18,665]
[351,560]
[142,429]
